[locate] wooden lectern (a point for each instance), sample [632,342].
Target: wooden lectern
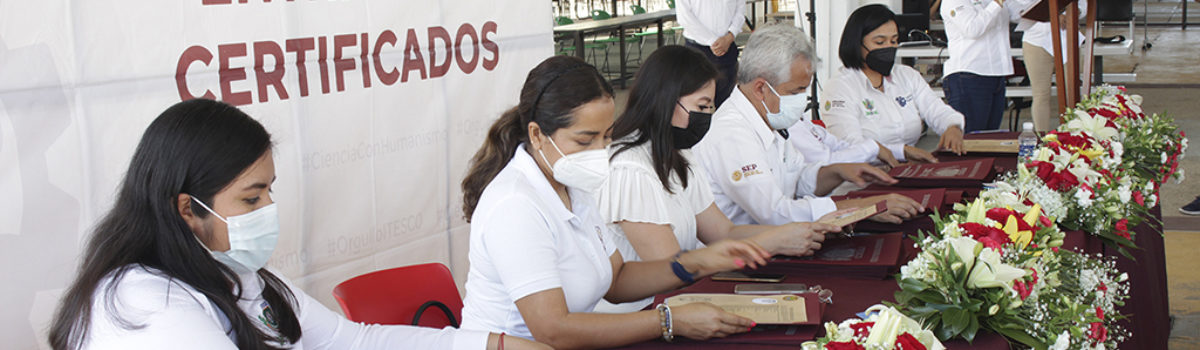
[1069,90]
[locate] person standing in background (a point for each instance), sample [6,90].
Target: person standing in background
[710,26]
[974,75]
[1037,45]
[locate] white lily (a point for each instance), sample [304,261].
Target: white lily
[1095,125]
[991,273]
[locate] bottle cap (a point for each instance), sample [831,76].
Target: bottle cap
[1027,125]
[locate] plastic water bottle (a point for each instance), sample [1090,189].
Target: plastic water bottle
[1028,141]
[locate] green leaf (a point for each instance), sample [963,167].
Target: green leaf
[1020,336]
[955,320]
[972,329]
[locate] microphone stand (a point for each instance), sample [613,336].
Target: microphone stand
[812,26]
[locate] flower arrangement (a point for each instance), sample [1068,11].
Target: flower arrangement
[884,328]
[1001,269]
[1106,161]
[1154,145]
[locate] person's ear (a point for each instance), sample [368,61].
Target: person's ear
[183,203]
[535,135]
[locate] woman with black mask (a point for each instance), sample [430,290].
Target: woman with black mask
[655,200]
[874,99]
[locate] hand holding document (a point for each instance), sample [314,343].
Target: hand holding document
[763,309]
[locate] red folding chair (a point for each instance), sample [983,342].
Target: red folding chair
[402,295]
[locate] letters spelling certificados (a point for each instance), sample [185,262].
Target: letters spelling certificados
[763,309]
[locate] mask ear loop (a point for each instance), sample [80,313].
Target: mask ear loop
[764,101]
[209,209]
[560,153]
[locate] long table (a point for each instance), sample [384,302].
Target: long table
[618,24]
[1100,50]
[1147,306]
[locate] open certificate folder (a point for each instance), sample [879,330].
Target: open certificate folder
[763,309]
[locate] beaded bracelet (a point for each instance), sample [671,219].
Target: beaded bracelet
[664,318]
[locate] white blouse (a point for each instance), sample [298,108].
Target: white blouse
[524,241]
[855,111]
[176,316]
[634,193]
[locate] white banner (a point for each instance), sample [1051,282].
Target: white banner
[375,105]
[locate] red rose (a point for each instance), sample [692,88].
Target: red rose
[907,341]
[1045,221]
[1043,169]
[991,237]
[845,345]
[1104,112]
[1138,198]
[1102,287]
[1123,228]
[862,329]
[1098,332]
[1099,312]
[1035,277]
[1022,289]
[1000,214]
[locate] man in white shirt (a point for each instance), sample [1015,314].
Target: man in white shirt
[974,75]
[757,177]
[710,26]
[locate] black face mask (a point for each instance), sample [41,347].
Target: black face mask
[698,123]
[881,60]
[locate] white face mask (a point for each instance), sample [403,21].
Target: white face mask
[583,170]
[791,110]
[252,238]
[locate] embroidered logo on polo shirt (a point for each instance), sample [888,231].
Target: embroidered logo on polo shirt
[902,101]
[746,172]
[268,316]
[870,106]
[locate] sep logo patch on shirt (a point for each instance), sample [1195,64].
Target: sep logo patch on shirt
[746,172]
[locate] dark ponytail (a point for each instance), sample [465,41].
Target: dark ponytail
[196,147]
[551,93]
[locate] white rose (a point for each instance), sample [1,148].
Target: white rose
[1063,342]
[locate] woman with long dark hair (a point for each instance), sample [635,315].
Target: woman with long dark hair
[654,199]
[178,261]
[541,257]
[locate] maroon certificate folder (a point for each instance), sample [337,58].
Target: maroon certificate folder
[931,198]
[866,256]
[963,173]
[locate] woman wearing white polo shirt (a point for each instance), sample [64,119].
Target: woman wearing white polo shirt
[541,256]
[656,199]
[874,99]
[178,261]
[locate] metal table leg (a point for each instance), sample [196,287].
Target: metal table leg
[579,45]
[621,42]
